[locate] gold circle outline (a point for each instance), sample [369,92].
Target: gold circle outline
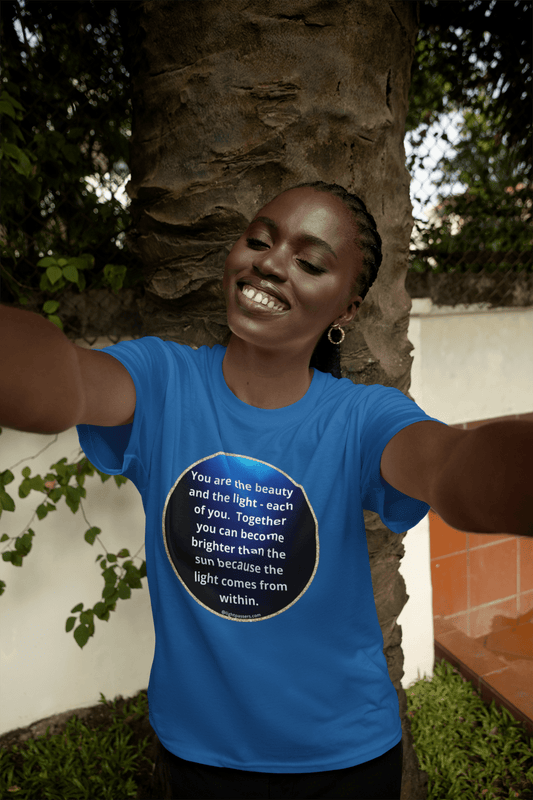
[317,540]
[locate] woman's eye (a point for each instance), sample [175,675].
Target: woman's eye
[311,267]
[255,244]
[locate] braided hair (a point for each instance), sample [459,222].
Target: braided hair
[326,356]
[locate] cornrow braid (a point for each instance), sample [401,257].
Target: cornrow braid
[326,356]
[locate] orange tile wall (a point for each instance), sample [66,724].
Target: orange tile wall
[481,582]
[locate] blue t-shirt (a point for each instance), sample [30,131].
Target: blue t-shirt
[268,651]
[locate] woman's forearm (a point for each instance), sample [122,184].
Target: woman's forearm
[486,485]
[40,387]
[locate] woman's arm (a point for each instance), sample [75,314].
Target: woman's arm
[479,480]
[48,384]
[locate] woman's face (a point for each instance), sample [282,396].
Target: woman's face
[291,273]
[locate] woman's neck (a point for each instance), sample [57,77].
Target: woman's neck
[265,379]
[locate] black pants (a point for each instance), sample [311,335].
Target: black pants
[379,779]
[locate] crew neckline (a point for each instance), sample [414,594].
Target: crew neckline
[285,413]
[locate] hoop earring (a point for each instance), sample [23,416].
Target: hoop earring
[341,331]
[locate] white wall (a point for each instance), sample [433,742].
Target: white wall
[42,669]
[470,363]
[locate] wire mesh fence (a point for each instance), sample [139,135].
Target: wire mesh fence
[470,156]
[66,115]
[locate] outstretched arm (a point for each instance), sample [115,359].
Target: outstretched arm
[478,480]
[48,384]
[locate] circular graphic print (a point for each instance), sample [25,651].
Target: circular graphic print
[241,536]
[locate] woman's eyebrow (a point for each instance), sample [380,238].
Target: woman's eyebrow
[306,237]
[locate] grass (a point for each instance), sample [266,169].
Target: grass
[469,750]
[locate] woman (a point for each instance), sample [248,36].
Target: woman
[269,678]
[254,464]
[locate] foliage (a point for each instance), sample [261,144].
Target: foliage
[469,750]
[79,764]
[474,58]
[67,480]
[65,114]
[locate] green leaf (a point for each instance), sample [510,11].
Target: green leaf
[54,274]
[23,543]
[72,153]
[7,501]
[16,559]
[85,261]
[24,488]
[4,537]
[124,553]
[108,591]
[77,608]
[91,535]
[42,511]
[86,617]
[50,306]
[71,621]
[6,556]
[70,273]
[111,557]
[2,587]
[57,322]
[6,477]
[37,483]
[81,635]
[26,472]
[124,591]
[7,108]
[101,611]
[114,276]
[23,164]
[10,149]
[47,261]
[110,576]
[73,497]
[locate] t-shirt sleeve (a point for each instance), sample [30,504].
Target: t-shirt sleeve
[387,412]
[126,449]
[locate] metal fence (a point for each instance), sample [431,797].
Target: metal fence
[471,159]
[65,127]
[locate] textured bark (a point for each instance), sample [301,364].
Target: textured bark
[237,101]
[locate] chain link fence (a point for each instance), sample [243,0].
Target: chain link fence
[471,165]
[66,112]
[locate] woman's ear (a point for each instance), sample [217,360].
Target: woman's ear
[350,313]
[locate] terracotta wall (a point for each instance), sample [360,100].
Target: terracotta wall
[481,582]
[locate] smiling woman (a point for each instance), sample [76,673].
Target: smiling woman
[265,611]
[303,265]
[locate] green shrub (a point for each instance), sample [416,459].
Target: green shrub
[468,749]
[79,764]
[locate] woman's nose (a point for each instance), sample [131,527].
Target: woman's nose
[271,264]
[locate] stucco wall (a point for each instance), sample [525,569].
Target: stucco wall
[469,364]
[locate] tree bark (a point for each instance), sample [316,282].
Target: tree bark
[235,102]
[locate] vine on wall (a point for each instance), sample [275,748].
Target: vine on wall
[121,572]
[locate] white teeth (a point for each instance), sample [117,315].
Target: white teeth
[260,298]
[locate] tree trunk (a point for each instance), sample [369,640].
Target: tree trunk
[236,101]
